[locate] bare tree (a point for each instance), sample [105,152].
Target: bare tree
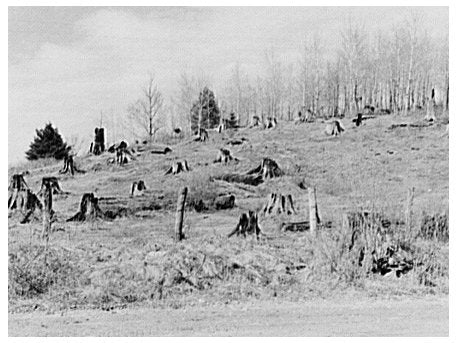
[145,110]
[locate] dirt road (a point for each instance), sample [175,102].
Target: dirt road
[363,317]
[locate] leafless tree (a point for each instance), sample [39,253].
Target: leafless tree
[145,110]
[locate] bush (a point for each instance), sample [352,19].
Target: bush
[47,143]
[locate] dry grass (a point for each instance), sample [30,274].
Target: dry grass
[134,259]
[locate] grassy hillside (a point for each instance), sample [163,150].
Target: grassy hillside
[134,259]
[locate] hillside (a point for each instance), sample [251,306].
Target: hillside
[368,167]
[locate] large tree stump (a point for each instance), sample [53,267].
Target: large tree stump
[88,209]
[29,205]
[247,224]
[53,183]
[268,168]
[278,204]
[180,214]
[271,123]
[69,166]
[16,188]
[334,128]
[255,122]
[178,167]
[138,188]
[224,156]
[97,147]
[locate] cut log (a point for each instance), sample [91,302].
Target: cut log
[138,188]
[88,209]
[279,204]
[178,167]
[165,151]
[247,225]
[300,226]
[237,141]
[268,168]
[224,156]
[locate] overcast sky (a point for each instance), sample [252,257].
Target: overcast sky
[67,64]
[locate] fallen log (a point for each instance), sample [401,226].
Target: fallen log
[237,141]
[300,226]
[247,225]
[253,180]
[165,151]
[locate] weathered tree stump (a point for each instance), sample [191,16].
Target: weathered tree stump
[334,128]
[247,224]
[224,156]
[268,168]
[88,209]
[69,166]
[53,183]
[180,214]
[178,167]
[97,147]
[202,135]
[278,204]
[138,188]
[29,204]
[16,188]
[271,123]
[255,122]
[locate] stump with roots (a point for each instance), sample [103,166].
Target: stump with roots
[16,189]
[247,225]
[224,156]
[97,147]
[271,123]
[268,168]
[138,188]
[178,167]
[69,166]
[88,209]
[278,204]
[53,183]
[202,136]
[334,128]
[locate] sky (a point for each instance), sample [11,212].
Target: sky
[66,65]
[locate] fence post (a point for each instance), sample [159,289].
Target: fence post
[409,209]
[312,209]
[47,210]
[180,214]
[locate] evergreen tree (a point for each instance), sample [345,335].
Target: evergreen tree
[47,143]
[210,113]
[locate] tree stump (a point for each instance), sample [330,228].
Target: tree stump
[178,167]
[165,151]
[88,209]
[97,147]
[224,202]
[271,123]
[334,128]
[202,135]
[53,183]
[268,168]
[247,224]
[278,204]
[224,156]
[138,188]
[255,122]
[69,166]
[16,189]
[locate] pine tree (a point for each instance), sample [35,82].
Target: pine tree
[210,113]
[47,143]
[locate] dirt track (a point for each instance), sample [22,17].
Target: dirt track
[412,317]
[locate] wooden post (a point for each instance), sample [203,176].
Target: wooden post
[312,209]
[47,210]
[409,209]
[180,214]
